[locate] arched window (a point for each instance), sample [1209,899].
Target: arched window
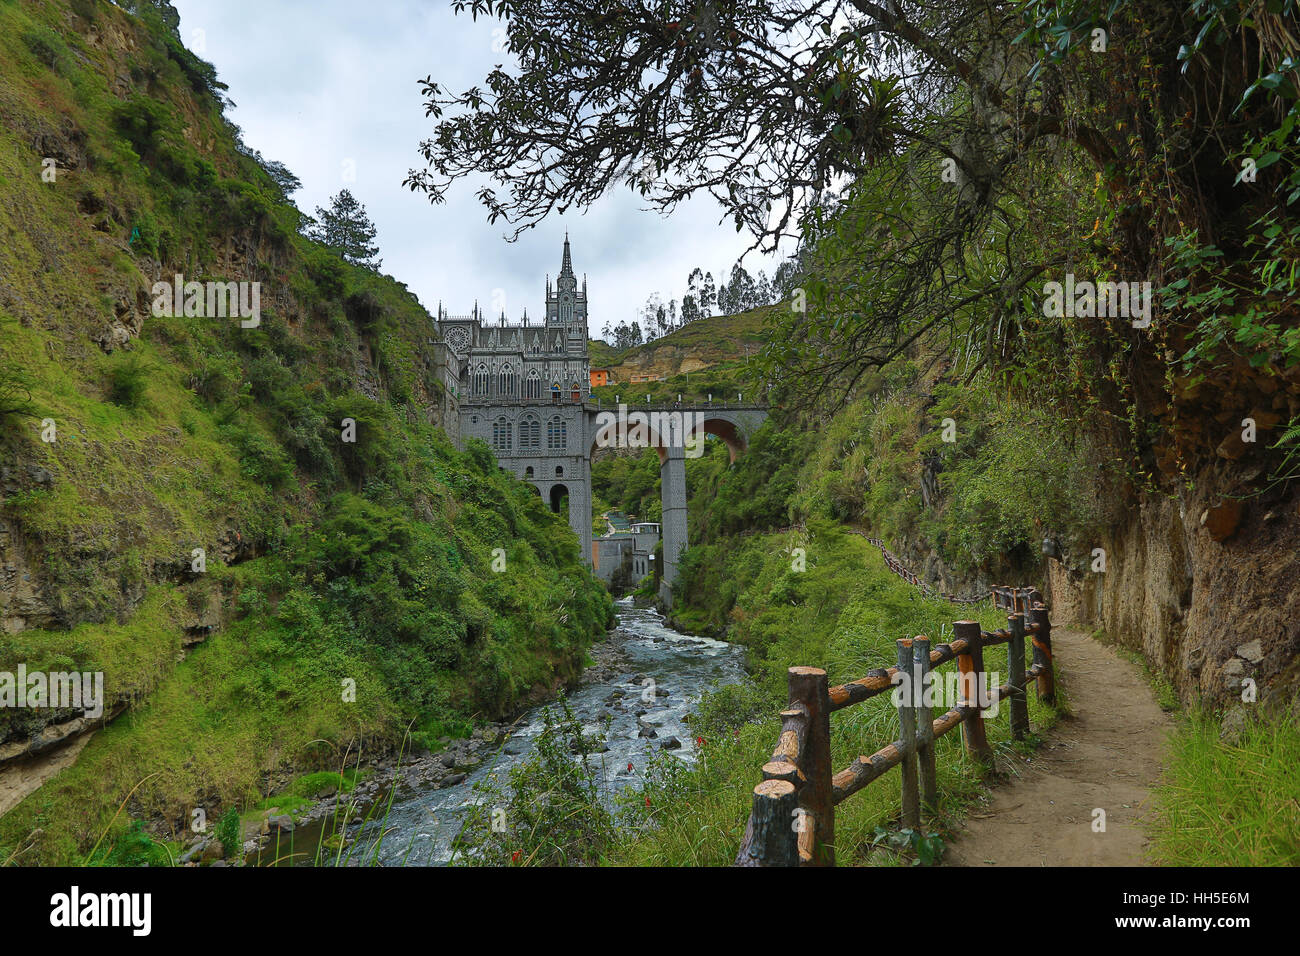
[501,436]
[533,385]
[530,434]
[555,393]
[507,383]
[528,472]
[575,392]
[481,381]
[559,472]
[557,435]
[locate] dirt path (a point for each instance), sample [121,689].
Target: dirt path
[1107,754]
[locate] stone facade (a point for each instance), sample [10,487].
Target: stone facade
[522,388]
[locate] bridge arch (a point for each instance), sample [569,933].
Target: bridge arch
[676,433]
[559,491]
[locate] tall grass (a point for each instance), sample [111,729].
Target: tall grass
[1230,804]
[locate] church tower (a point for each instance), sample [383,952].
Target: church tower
[566,306]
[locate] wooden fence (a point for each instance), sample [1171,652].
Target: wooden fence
[897,566]
[792,822]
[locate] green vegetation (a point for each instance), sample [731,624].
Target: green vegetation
[549,812]
[348,588]
[1230,804]
[228,832]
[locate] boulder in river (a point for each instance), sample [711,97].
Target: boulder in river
[672,743]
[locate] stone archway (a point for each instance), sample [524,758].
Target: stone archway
[676,433]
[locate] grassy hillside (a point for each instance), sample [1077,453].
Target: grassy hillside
[705,342]
[328,561]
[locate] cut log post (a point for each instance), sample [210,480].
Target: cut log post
[907,701]
[808,687]
[1016,664]
[772,837]
[1043,654]
[971,666]
[925,737]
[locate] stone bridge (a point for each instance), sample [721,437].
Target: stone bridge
[550,445]
[676,432]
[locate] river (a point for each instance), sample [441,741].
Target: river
[421,824]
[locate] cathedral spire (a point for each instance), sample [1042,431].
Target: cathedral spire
[566,267]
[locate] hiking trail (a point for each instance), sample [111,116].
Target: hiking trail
[1107,753]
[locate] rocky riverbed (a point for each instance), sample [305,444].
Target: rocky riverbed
[639,690]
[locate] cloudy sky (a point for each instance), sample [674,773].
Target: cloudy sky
[330,89]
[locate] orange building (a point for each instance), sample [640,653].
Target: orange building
[599,377]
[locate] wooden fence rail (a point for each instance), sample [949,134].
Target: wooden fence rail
[792,821]
[894,564]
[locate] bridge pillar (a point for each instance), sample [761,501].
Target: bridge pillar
[672,487]
[580,513]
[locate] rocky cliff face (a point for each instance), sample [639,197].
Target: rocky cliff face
[1204,585]
[658,362]
[1208,589]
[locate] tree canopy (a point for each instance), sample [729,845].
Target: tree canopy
[346,228]
[941,163]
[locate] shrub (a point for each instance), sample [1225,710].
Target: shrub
[15,396]
[129,381]
[143,121]
[46,45]
[133,847]
[228,832]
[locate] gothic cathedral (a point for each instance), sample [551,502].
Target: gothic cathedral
[522,389]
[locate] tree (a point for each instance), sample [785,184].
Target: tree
[740,291]
[627,335]
[283,178]
[346,229]
[652,317]
[786,278]
[708,296]
[961,137]
[690,310]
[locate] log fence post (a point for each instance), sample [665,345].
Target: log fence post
[1016,664]
[1043,654]
[970,664]
[771,838]
[924,719]
[907,701]
[808,686]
